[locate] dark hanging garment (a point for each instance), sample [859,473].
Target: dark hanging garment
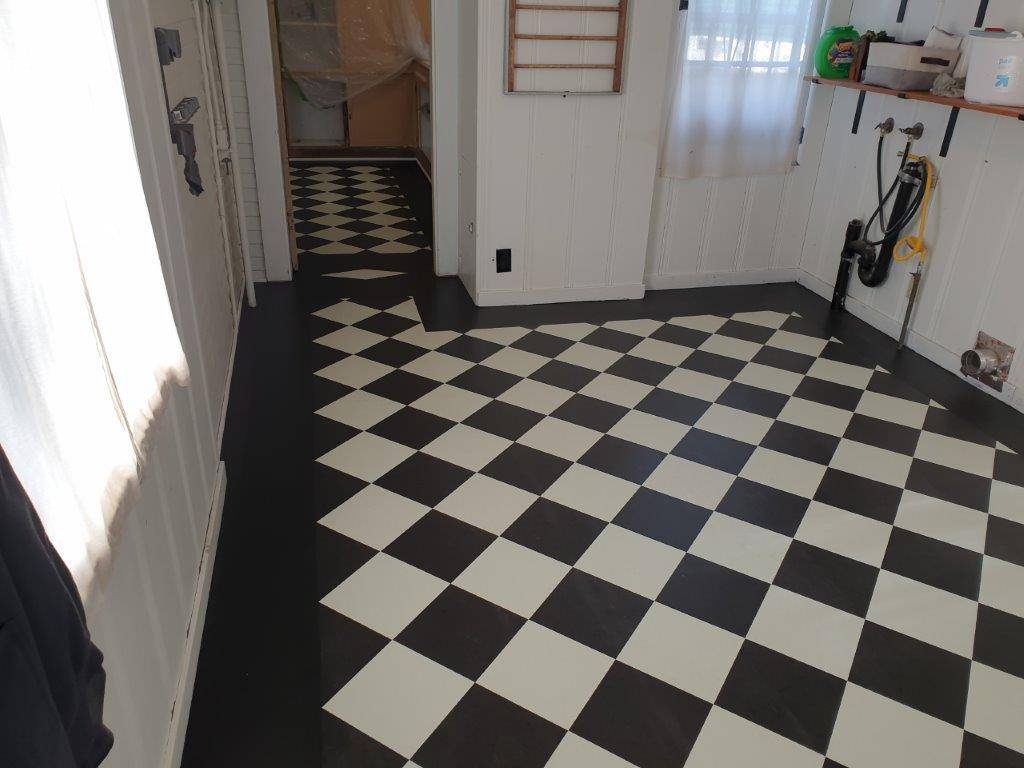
[51,675]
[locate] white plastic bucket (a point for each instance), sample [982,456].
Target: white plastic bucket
[995,74]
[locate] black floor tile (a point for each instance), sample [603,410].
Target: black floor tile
[638,369]
[662,518]
[784,359]
[424,478]
[829,393]
[883,434]
[609,338]
[800,442]
[470,348]
[963,488]
[746,331]
[753,399]
[346,647]
[564,375]
[343,745]
[461,631]
[505,420]
[944,566]
[526,468]
[675,407]
[485,381]
[999,640]
[593,612]
[982,753]
[486,729]
[622,458]
[1009,468]
[762,505]
[554,530]
[827,577]
[887,384]
[948,423]
[590,412]
[393,352]
[401,386]
[542,344]
[713,450]
[337,558]
[386,324]
[327,435]
[714,593]
[783,695]
[1005,539]
[643,720]
[412,427]
[684,337]
[853,493]
[441,545]
[917,674]
[714,365]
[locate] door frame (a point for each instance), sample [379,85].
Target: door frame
[258,22]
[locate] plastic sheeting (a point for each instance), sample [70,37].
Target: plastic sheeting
[336,49]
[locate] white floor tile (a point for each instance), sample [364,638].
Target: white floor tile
[515,361]
[399,698]
[995,706]
[649,430]
[817,416]
[374,516]
[1007,500]
[354,371]
[451,402]
[841,373]
[872,731]
[728,740]
[894,409]
[535,396]
[504,336]
[546,673]
[740,349]
[576,752]
[636,327]
[360,409]
[845,533]
[512,576]
[1002,585]
[468,447]
[666,644]
[631,561]
[591,491]
[797,342]
[741,546]
[661,352]
[872,462]
[683,381]
[350,339]
[959,454]
[366,456]
[420,337]
[737,424]
[437,366]
[772,379]
[487,503]
[560,438]
[924,612]
[346,312]
[385,594]
[942,520]
[785,472]
[589,356]
[689,481]
[807,630]
[706,323]
[572,331]
[615,389]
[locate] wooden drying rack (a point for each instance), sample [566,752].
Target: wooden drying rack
[514,35]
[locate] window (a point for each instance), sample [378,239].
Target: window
[737,88]
[88,344]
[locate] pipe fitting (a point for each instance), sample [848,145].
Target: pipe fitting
[980,362]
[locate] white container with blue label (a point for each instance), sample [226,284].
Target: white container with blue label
[995,74]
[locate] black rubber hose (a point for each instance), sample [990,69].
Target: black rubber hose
[873,272]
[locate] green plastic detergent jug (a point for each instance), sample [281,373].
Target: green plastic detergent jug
[835,52]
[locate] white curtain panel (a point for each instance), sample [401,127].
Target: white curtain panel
[88,344]
[736,94]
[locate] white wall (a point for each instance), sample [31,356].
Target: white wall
[566,183]
[750,230]
[976,267]
[228,10]
[468,62]
[139,614]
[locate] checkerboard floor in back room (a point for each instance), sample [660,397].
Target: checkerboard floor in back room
[718,541]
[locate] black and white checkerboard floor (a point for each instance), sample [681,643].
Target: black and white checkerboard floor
[348,210]
[707,541]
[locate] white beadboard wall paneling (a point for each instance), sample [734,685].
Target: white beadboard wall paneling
[139,613]
[239,100]
[467,64]
[976,265]
[444,127]
[567,182]
[744,229]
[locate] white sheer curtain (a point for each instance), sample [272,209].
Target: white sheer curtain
[88,345]
[736,91]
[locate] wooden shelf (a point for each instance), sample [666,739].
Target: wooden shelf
[1016,113]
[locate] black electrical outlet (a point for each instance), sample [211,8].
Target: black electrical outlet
[503,259]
